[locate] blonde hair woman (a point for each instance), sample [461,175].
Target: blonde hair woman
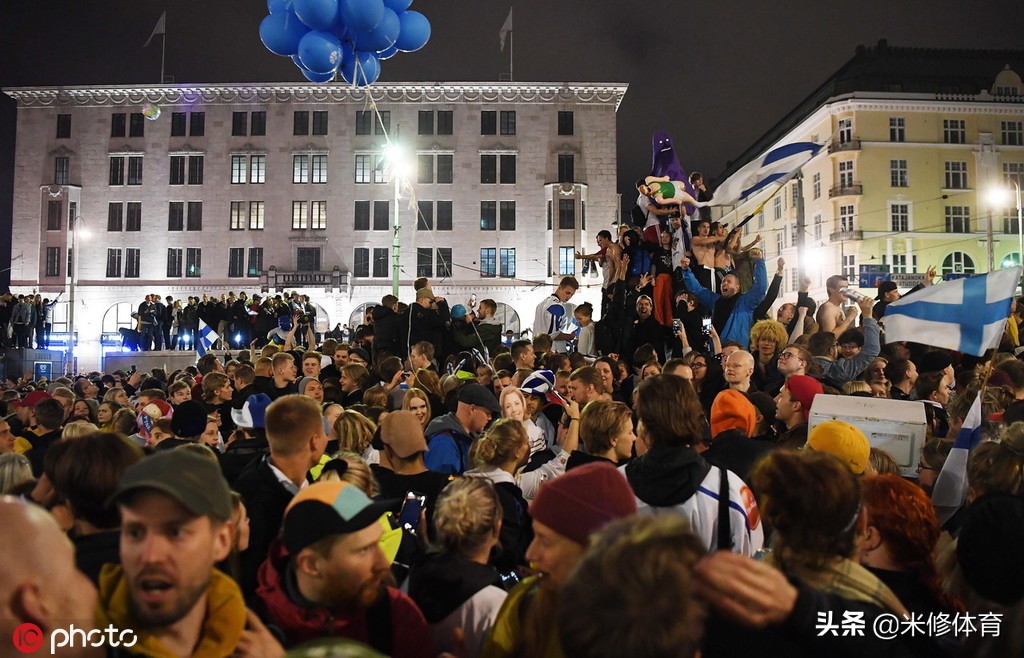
[418,403]
[355,434]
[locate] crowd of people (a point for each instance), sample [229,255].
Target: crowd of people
[642,485]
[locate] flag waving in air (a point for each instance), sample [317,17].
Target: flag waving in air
[967,315]
[951,484]
[773,168]
[205,338]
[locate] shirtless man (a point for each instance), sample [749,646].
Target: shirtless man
[609,257]
[703,246]
[830,314]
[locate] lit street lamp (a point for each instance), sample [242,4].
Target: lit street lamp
[78,228]
[997,197]
[400,168]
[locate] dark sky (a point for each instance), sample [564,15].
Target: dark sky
[716,75]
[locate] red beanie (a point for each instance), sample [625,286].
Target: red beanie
[583,500]
[732,410]
[803,389]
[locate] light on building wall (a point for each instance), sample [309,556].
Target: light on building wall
[397,161]
[998,196]
[812,260]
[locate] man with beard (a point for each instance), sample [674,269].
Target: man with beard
[732,311]
[175,526]
[325,578]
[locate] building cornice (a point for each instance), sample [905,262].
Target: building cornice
[267,93]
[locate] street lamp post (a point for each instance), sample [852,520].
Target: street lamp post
[398,165]
[77,226]
[997,198]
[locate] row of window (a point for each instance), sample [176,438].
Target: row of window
[304,122]
[954,131]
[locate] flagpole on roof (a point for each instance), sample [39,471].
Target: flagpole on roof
[163,55]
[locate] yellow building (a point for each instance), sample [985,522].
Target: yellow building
[921,153]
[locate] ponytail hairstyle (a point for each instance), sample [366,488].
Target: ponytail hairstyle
[466,516]
[500,444]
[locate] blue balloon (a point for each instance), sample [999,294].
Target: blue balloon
[362,15]
[318,77]
[339,29]
[397,6]
[415,31]
[278,6]
[381,37]
[366,73]
[387,53]
[320,52]
[282,32]
[317,14]
[298,62]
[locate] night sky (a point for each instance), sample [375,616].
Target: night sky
[715,75]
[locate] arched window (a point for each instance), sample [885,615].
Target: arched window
[119,316]
[958,263]
[508,317]
[1011,260]
[358,312]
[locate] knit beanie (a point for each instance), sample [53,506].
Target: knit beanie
[803,389]
[842,440]
[732,410]
[582,501]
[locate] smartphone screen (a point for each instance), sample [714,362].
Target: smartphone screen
[707,325]
[409,517]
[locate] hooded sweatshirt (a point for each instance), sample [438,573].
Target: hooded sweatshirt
[448,443]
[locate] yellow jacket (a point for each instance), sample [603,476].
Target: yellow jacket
[502,638]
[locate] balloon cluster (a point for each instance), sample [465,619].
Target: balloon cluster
[346,37]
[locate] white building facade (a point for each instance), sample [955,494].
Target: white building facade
[274,188]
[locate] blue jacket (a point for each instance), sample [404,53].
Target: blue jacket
[448,443]
[737,327]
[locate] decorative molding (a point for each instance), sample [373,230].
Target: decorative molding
[62,152]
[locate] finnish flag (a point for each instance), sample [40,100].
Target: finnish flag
[951,484]
[205,338]
[775,167]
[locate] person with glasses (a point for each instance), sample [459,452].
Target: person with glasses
[708,378]
[794,360]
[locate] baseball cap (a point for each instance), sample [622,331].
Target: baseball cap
[803,389]
[841,440]
[253,412]
[884,287]
[424,293]
[328,508]
[194,481]
[403,433]
[480,396]
[459,311]
[32,399]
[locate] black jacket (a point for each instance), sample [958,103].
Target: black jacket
[266,499]
[734,451]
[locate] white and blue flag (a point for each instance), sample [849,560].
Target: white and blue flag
[951,484]
[775,167]
[967,315]
[205,338]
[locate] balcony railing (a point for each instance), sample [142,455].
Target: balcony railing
[837,146]
[855,189]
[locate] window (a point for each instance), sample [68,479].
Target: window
[320,122]
[258,124]
[566,261]
[424,262]
[488,122]
[795,194]
[362,216]
[364,165]
[134,170]
[307,259]
[300,122]
[196,124]
[115,217]
[954,131]
[255,261]
[958,263]
[445,169]
[54,212]
[777,207]
[63,126]
[1010,222]
[508,122]
[850,266]
[53,261]
[507,262]
[567,213]
[1013,171]
[118,124]
[133,216]
[113,263]
[239,128]
[61,170]
[381,215]
[195,170]
[177,126]
[565,123]
[257,169]
[300,168]
[131,263]
[444,215]
[760,219]
[508,169]
[845,130]
[237,222]
[956,176]
[846,173]
[300,216]
[364,122]
[898,173]
[239,168]
[381,174]
[425,216]
[444,262]
[958,219]
[899,217]
[445,122]
[361,262]
[507,215]
[899,264]
[177,175]
[817,227]
[488,215]
[566,169]
[487,262]
[425,168]
[367,122]
[1012,132]
[426,122]
[194,217]
[255,215]
[780,242]
[236,258]
[318,215]
[319,165]
[816,185]
[174,263]
[846,219]
[175,216]
[897,129]
[380,262]
[193,262]
[488,169]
